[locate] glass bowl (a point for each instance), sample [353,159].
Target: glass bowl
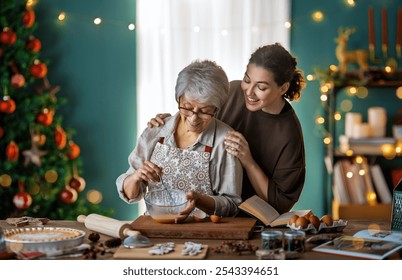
[165,206]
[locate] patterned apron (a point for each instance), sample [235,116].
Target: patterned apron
[183,169]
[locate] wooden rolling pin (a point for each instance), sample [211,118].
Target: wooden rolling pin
[108,226]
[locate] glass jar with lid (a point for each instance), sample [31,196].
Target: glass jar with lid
[293,243]
[271,240]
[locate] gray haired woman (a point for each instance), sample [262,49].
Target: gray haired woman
[188,152]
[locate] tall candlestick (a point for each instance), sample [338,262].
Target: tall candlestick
[384,33]
[371,33]
[399,33]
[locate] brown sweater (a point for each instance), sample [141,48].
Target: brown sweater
[276,143]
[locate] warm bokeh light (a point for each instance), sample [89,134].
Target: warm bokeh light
[327,140]
[34,189]
[349,153]
[62,16]
[324,97]
[131,26]
[287,25]
[97,21]
[94,196]
[30,3]
[346,105]
[324,88]
[337,116]
[350,3]
[399,92]
[5,180]
[359,160]
[310,77]
[333,68]
[362,92]
[349,174]
[319,120]
[371,198]
[388,151]
[374,228]
[352,90]
[51,176]
[317,16]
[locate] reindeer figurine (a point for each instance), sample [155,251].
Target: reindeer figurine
[345,56]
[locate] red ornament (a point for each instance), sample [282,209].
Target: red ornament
[77,183]
[29,18]
[8,37]
[12,151]
[73,150]
[7,105]
[38,69]
[46,117]
[17,80]
[60,137]
[22,200]
[33,44]
[68,195]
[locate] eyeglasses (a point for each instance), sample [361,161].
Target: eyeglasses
[189,112]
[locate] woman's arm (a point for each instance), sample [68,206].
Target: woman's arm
[238,146]
[130,184]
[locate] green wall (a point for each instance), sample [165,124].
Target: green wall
[313,44]
[96,69]
[95,65]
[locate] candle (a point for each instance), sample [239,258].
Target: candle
[384,31]
[371,32]
[399,33]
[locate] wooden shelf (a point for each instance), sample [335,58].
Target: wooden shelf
[376,77]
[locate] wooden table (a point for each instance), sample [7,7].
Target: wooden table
[352,227]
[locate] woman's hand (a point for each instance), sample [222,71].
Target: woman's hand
[158,120]
[237,145]
[148,171]
[192,197]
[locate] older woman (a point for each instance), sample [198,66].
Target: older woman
[188,152]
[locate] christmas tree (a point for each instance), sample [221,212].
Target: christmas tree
[40,164]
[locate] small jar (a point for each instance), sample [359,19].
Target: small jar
[294,243]
[271,240]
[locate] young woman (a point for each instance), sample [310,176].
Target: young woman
[267,136]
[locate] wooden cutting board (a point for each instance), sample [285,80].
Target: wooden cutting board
[142,254]
[227,228]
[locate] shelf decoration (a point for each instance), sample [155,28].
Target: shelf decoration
[355,80]
[371,33]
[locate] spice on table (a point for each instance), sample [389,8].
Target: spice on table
[113,242]
[94,237]
[238,247]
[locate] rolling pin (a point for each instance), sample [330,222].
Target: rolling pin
[108,226]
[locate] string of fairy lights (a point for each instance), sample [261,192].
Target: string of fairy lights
[63,16]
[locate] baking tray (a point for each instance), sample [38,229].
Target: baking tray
[42,239]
